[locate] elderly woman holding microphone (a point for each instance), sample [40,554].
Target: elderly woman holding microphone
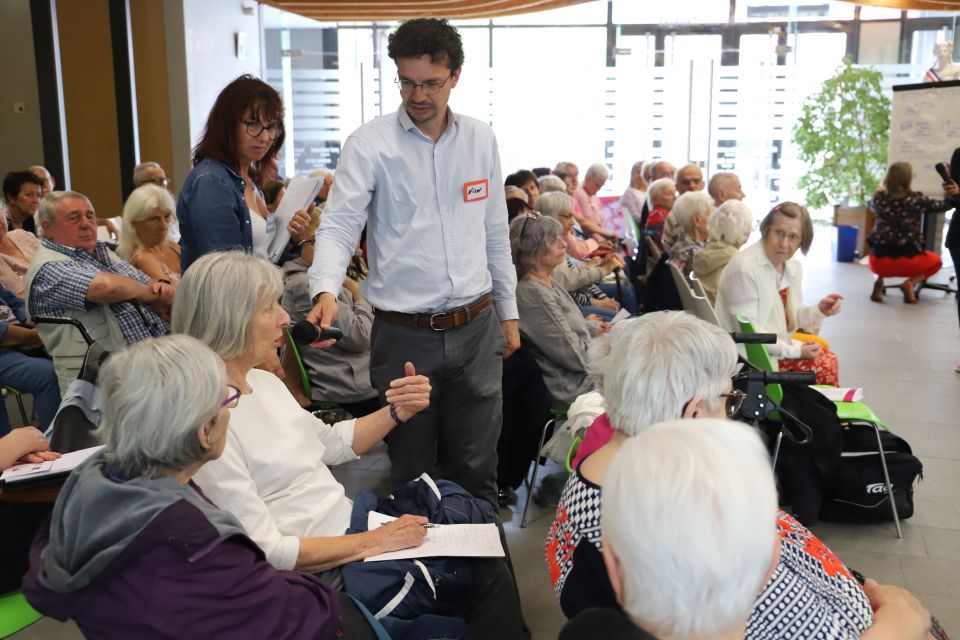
[135,550]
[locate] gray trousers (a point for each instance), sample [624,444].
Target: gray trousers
[456,436]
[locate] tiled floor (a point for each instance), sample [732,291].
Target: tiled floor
[904,357]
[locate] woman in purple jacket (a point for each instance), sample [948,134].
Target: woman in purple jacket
[134,550]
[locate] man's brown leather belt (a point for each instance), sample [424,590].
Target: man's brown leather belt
[438,321]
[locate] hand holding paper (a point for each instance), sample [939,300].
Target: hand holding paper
[462,540]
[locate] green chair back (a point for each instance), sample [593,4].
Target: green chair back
[15,613]
[304,379]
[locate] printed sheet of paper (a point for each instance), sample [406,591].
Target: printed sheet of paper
[461,540]
[64,463]
[623,314]
[299,195]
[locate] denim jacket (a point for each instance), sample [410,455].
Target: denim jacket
[16,305]
[212,212]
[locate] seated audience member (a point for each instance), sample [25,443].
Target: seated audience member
[725,186]
[273,193]
[590,212]
[691,212]
[550,320]
[74,276]
[727,229]
[150,173]
[517,206]
[667,488]
[48,181]
[273,474]
[661,169]
[24,371]
[897,243]
[147,216]
[764,284]
[17,249]
[159,560]
[663,193]
[19,521]
[664,366]
[551,183]
[321,199]
[636,194]
[340,373]
[664,490]
[582,281]
[689,178]
[21,192]
[526,180]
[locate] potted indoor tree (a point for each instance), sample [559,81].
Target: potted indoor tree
[842,139]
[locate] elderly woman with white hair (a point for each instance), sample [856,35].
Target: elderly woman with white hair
[669,365]
[584,282]
[550,320]
[662,193]
[764,284]
[691,212]
[727,229]
[135,550]
[147,216]
[636,194]
[274,473]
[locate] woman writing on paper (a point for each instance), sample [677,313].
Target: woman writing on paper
[221,205]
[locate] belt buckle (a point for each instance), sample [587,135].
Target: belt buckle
[432,317]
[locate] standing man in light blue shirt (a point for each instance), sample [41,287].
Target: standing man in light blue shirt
[427,183]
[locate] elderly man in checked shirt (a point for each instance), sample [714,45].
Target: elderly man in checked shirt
[74,276]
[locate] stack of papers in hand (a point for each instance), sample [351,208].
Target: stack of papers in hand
[62,465]
[462,540]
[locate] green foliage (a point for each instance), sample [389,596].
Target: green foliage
[842,137]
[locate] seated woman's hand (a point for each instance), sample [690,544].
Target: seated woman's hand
[951,189]
[810,350]
[299,227]
[30,445]
[404,532]
[897,614]
[830,306]
[410,394]
[610,262]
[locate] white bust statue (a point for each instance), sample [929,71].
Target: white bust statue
[946,68]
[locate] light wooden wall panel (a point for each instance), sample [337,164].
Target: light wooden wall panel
[153,95]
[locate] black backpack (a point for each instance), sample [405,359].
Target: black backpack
[859,493]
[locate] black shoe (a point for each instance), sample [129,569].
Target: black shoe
[506,498]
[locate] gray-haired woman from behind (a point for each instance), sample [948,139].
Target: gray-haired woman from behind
[135,550]
[727,229]
[550,320]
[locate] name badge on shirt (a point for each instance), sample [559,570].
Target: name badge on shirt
[476,190]
[271,224]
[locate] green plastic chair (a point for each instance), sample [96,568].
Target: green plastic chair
[849,413]
[16,613]
[323,405]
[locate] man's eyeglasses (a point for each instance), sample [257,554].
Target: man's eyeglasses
[255,128]
[430,87]
[233,399]
[734,400]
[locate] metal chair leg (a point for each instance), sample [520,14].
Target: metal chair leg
[886,479]
[23,411]
[531,485]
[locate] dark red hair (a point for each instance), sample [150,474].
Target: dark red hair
[218,139]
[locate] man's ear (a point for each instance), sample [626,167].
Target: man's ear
[455,77]
[614,572]
[694,408]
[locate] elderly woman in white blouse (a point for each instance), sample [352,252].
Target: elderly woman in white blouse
[764,284]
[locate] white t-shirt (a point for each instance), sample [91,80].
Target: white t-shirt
[273,473]
[263,230]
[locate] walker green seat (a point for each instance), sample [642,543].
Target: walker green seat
[15,613]
[759,357]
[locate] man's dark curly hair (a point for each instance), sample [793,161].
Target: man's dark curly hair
[427,37]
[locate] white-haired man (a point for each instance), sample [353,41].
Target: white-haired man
[74,276]
[149,173]
[689,178]
[590,216]
[725,186]
[662,169]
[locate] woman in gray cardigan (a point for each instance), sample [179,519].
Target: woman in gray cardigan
[550,321]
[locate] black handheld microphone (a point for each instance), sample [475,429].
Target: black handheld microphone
[304,333]
[943,171]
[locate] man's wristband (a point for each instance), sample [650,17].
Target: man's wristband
[394,415]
